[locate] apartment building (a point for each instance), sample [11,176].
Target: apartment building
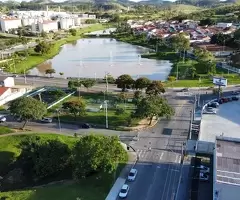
[8,23]
[45,26]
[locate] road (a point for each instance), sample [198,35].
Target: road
[159,168]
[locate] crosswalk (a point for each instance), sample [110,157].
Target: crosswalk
[158,156]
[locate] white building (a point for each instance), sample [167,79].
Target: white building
[27,21]
[45,26]
[7,81]
[77,21]
[226,175]
[9,23]
[67,23]
[224,25]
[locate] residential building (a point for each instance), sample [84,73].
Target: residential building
[5,92]
[9,23]
[7,81]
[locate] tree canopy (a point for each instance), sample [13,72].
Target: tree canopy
[76,107]
[155,88]
[87,83]
[153,106]
[124,82]
[42,159]
[50,71]
[180,42]
[96,153]
[142,83]
[28,108]
[43,47]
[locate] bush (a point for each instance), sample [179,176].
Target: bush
[119,111]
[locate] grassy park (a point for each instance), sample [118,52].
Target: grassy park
[96,116]
[89,188]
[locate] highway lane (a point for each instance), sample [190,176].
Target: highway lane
[159,168]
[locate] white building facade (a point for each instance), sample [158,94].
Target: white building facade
[9,23]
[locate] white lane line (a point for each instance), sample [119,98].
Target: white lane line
[179,160]
[161,155]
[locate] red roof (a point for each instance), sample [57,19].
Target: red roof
[3,90]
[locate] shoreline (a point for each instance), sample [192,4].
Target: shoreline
[33,60]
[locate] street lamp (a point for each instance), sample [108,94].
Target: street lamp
[106,113]
[59,123]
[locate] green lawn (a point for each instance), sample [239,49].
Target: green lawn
[5,130]
[34,59]
[99,118]
[89,189]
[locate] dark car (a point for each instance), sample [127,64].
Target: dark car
[213,104]
[220,101]
[235,92]
[184,90]
[224,100]
[229,99]
[235,98]
[86,126]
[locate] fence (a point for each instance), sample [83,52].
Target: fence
[58,101]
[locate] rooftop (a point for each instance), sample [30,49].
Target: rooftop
[228,161]
[225,122]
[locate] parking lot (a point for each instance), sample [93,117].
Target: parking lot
[224,123]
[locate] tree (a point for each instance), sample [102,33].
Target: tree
[87,83]
[216,90]
[50,71]
[42,159]
[27,108]
[221,39]
[207,21]
[43,47]
[171,79]
[96,153]
[61,73]
[124,82]
[142,83]
[237,34]
[179,42]
[192,71]
[155,88]
[203,55]
[138,95]
[153,106]
[43,34]
[73,32]
[75,107]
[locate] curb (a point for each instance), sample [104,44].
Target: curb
[113,189]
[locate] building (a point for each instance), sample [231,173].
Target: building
[7,24]
[7,81]
[67,23]
[45,26]
[5,92]
[226,179]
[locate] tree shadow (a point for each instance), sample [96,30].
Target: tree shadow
[6,158]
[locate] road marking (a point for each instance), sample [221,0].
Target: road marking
[161,156]
[179,160]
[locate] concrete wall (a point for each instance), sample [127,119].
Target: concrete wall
[9,82]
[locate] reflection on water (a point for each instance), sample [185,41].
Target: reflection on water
[95,57]
[44,66]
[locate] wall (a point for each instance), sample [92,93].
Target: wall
[9,82]
[13,96]
[10,23]
[6,93]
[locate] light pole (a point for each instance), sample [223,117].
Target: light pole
[106,113]
[59,123]
[177,72]
[25,78]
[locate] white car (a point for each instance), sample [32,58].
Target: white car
[203,176]
[203,169]
[132,174]
[124,191]
[46,120]
[210,110]
[3,119]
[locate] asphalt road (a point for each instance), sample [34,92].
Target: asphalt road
[159,168]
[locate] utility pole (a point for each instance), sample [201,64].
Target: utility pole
[106,113]
[177,72]
[59,123]
[25,78]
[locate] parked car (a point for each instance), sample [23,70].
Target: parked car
[235,98]
[203,176]
[46,120]
[203,169]
[209,110]
[86,125]
[229,99]
[184,90]
[213,104]
[224,100]
[3,119]
[132,174]
[124,191]
[235,92]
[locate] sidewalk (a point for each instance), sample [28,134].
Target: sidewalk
[113,193]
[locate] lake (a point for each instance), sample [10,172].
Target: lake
[94,57]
